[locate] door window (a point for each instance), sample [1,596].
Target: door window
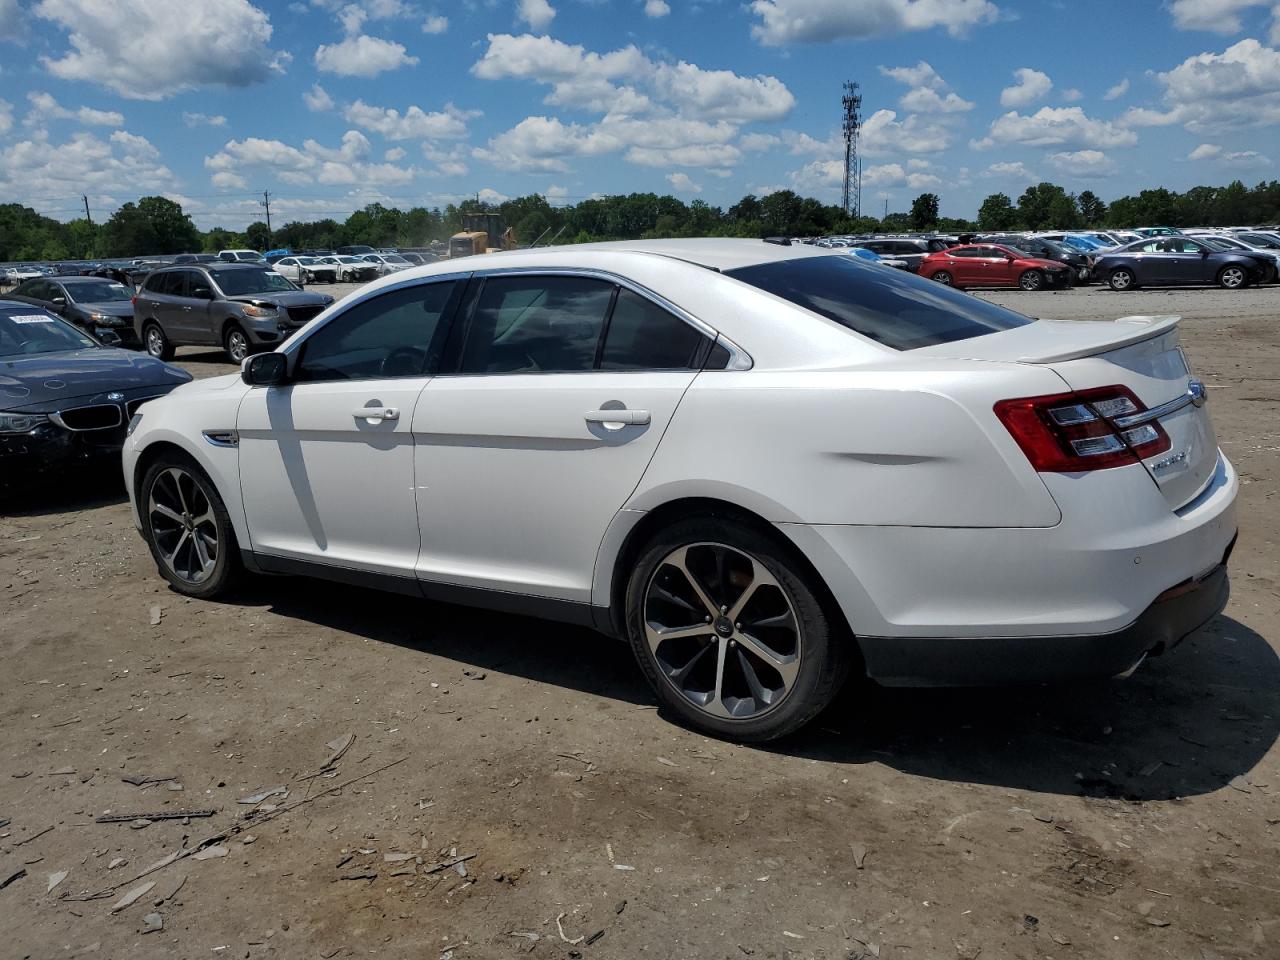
[643,336]
[966,252]
[395,335]
[536,325]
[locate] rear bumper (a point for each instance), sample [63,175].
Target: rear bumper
[991,661]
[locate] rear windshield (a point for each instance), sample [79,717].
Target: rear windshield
[892,307]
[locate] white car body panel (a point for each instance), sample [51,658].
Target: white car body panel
[888,470]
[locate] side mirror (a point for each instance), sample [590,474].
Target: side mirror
[59,301]
[202,293]
[110,338]
[265,369]
[1204,253]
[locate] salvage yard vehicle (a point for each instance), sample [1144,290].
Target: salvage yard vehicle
[65,396]
[1080,263]
[238,306]
[91,303]
[1169,261]
[994,265]
[764,466]
[351,269]
[306,270]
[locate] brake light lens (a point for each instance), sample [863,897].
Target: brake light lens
[1075,432]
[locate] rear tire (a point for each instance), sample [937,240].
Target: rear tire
[1031,280]
[760,675]
[187,528]
[156,343]
[1232,277]
[1122,280]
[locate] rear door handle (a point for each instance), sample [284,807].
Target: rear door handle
[376,413]
[617,419]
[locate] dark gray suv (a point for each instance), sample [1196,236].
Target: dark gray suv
[238,306]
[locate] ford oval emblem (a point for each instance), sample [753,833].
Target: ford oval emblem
[1199,392]
[115,395]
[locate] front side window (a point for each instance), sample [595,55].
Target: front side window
[536,325]
[897,309]
[395,335]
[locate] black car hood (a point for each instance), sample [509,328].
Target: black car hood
[111,308]
[286,298]
[30,382]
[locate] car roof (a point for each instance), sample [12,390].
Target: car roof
[715,253]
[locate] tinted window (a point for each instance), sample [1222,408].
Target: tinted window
[643,336]
[394,335]
[895,308]
[966,252]
[536,325]
[169,283]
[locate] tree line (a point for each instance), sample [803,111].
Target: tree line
[156,225]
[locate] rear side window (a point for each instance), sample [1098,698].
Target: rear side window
[395,335]
[537,325]
[643,336]
[897,309]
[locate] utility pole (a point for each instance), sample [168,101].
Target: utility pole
[266,202]
[85,198]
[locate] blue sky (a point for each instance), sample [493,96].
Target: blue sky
[331,104]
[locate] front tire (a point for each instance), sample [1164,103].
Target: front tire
[944,277]
[731,633]
[1232,277]
[156,343]
[186,525]
[1031,280]
[236,342]
[1122,280]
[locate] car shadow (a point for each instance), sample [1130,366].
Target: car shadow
[1185,723]
[81,487]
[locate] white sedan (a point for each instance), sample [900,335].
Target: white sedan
[387,262]
[763,466]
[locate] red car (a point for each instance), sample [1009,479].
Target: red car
[993,265]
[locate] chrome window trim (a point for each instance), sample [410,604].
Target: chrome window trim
[739,359]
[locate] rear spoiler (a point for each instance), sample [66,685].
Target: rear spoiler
[1103,337]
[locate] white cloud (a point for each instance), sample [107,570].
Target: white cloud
[1082,163]
[756,142]
[317,99]
[362,56]
[1206,151]
[543,144]
[1012,171]
[1030,86]
[654,9]
[489,195]
[123,164]
[682,184]
[226,180]
[821,21]
[203,119]
[883,134]
[538,14]
[1215,91]
[1071,95]
[1246,160]
[1056,127]
[394,154]
[929,93]
[352,19]
[1118,91]
[1215,16]
[6,116]
[311,164]
[212,42]
[435,24]
[413,124]
[45,107]
[722,94]
[555,193]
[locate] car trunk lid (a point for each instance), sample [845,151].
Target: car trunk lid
[1141,353]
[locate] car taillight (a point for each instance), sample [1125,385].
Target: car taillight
[1073,432]
[134,300]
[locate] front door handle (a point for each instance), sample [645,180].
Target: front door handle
[376,413]
[617,419]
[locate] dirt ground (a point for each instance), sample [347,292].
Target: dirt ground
[1127,819]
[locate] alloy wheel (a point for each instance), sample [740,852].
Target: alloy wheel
[1232,277]
[1121,280]
[237,346]
[155,341]
[943,278]
[1030,280]
[722,630]
[183,526]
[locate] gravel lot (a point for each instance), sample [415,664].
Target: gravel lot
[1127,819]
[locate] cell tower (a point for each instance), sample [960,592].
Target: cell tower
[852,103]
